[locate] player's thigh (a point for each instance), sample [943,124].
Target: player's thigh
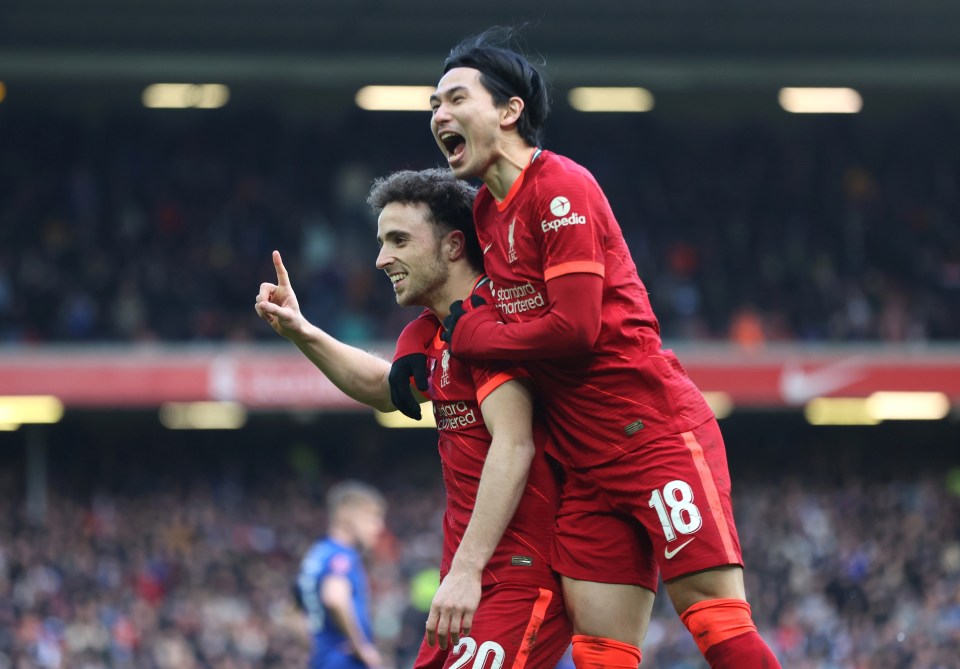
[515,626]
[605,558]
[724,582]
[593,542]
[612,610]
[678,487]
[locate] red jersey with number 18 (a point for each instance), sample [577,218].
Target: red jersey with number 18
[457,390]
[627,391]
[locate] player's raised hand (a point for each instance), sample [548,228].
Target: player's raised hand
[453,608]
[277,303]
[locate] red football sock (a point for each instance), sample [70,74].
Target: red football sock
[595,652]
[745,650]
[727,636]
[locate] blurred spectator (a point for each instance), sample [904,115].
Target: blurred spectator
[746,328]
[332,586]
[848,568]
[138,229]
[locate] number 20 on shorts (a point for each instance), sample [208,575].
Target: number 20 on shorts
[467,649]
[683,515]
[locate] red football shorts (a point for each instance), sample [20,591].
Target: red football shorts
[516,627]
[665,506]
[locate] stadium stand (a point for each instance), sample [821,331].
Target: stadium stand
[181,555]
[137,229]
[790,258]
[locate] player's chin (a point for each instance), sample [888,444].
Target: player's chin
[460,164]
[463,170]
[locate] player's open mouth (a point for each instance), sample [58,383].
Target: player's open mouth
[454,144]
[397,278]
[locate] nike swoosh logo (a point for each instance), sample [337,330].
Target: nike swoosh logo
[798,386]
[487,248]
[670,554]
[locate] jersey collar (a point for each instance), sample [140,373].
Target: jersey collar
[483,279]
[515,188]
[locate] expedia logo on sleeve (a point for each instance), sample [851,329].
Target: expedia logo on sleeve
[560,207]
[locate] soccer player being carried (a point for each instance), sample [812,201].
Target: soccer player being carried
[499,602]
[646,482]
[332,584]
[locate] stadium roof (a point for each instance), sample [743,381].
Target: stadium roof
[666,42]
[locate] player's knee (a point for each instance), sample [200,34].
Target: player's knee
[718,583]
[609,610]
[713,621]
[594,652]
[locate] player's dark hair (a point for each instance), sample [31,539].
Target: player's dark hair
[350,492]
[449,200]
[506,73]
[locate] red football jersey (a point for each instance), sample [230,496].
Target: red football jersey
[555,221]
[457,389]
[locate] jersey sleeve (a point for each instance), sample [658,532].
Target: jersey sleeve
[570,212]
[338,564]
[418,335]
[489,375]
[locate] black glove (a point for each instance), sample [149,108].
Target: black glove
[415,365]
[457,311]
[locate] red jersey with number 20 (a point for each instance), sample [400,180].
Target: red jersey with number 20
[457,390]
[627,391]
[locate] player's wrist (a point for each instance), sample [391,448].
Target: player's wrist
[467,566]
[301,331]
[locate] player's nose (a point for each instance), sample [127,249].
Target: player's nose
[441,115]
[384,258]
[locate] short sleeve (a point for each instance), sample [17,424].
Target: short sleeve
[418,335]
[489,375]
[571,217]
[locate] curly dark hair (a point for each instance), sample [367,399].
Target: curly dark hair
[506,73]
[449,200]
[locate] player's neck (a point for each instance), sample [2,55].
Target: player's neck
[341,536]
[514,156]
[459,285]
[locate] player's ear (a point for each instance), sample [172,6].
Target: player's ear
[510,112]
[455,245]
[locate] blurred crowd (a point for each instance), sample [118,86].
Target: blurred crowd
[200,578]
[845,571]
[148,227]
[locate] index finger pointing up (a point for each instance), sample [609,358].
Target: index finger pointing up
[283,278]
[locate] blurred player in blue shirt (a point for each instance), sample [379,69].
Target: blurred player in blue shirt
[332,585]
